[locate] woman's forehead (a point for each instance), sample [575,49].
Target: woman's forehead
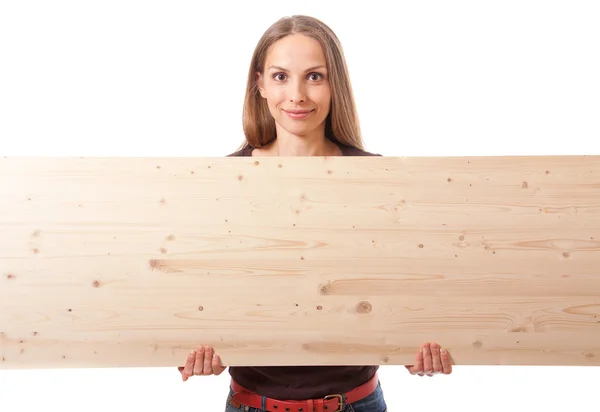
[295,52]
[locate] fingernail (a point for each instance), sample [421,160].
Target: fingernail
[443,351]
[214,356]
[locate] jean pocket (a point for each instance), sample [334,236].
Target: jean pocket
[233,406]
[375,402]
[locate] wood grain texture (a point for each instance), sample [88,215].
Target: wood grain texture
[119,262]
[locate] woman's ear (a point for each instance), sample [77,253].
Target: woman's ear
[261,84]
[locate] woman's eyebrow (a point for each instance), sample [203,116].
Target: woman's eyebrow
[307,70]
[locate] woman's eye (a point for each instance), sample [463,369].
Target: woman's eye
[312,77]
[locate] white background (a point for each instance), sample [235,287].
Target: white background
[151,78]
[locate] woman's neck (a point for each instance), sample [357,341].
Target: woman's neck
[287,144]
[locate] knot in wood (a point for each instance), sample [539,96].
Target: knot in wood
[364,307]
[324,289]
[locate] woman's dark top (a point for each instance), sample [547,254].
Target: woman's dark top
[302,382]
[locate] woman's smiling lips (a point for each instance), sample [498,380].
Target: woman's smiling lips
[298,114]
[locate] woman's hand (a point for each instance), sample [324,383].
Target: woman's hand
[431,361]
[201,362]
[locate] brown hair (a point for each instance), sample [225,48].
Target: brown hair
[342,124]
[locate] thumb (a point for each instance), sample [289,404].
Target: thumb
[216,365]
[418,366]
[183,377]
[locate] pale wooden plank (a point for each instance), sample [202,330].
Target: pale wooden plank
[275,261]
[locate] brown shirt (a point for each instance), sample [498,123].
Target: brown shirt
[302,382]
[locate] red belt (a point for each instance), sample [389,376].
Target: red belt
[330,403]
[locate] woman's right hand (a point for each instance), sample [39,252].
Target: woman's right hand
[202,361]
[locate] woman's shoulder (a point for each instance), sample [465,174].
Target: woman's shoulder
[353,151]
[245,151]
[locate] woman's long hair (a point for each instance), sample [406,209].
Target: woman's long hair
[341,125]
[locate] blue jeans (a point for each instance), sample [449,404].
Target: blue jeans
[375,402]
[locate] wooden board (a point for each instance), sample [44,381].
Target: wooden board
[119,262]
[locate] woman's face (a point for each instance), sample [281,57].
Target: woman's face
[296,86]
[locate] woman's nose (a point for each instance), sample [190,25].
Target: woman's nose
[297,93]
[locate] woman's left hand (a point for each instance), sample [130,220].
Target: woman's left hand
[431,360]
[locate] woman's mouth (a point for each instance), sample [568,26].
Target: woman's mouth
[298,114]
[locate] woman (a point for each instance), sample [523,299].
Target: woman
[299,102]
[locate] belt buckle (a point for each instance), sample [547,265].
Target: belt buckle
[337,395]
